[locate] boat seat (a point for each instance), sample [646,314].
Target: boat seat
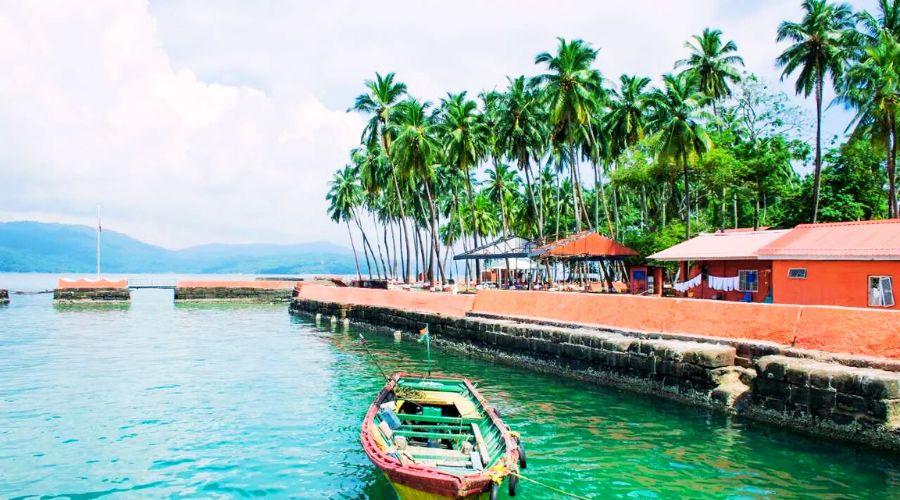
[424,451]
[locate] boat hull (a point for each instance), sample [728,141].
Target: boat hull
[412,481]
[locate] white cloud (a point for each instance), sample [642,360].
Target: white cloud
[223,120]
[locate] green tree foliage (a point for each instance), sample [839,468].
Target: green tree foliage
[708,148]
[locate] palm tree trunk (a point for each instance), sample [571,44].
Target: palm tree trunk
[558,205]
[353,247]
[687,198]
[574,179]
[434,233]
[818,166]
[366,247]
[378,244]
[891,170]
[465,172]
[538,216]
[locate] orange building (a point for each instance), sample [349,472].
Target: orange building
[843,264]
[723,265]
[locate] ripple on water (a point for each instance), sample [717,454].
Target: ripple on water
[159,400]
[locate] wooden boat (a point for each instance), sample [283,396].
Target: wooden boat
[437,438]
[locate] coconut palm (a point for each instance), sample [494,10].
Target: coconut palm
[626,119]
[383,94]
[344,194]
[521,134]
[820,43]
[500,187]
[571,88]
[872,88]
[677,116]
[466,141]
[415,151]
[887,21]
[713,64]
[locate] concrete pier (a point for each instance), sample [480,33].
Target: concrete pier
[266,291]
[839,395]
[84,290]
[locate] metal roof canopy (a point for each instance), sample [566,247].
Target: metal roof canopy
[511,247]
[863,240]
[740,244]
[586,246]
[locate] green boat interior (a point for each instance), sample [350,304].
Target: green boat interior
[438,423]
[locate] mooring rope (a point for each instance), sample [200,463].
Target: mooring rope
[551,488]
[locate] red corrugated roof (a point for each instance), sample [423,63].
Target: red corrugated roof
[584,244]
[876,239]
[727,245]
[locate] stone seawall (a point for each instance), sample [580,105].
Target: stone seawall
[91,294]
[810,395]
[4,296]
[233,294]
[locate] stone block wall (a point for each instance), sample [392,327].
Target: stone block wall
[92,294]
[247,294]
[828,394]
[825,398]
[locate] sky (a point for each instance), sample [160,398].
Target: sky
[193,122]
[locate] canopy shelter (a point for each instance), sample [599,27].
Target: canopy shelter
[583,246]
[510,247]
[587,256]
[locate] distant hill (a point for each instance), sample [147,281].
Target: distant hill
[41,247]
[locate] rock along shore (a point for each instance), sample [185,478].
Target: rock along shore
[845,397]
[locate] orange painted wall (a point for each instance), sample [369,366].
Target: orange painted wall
[651,314]
[730,268]
[85,283]
[436,303]
[873,332]
[837,283]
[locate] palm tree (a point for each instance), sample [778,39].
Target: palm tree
[713,64]
[466,141]
[521,134]
[677,116]
[888,21]
[344,194]
[819,48]
[571,89]
[383,94]
[501,186]
[626,119]
[416,147]
[872,87]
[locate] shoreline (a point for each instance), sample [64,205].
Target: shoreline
[816,395]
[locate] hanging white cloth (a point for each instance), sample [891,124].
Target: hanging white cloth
[723,284]
[691,283]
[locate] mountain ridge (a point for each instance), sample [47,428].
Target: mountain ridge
[28,246]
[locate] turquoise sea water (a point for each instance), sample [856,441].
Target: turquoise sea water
[156,399]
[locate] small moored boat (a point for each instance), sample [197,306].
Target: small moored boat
[437,438]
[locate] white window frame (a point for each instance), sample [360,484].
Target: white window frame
[755,282]
[885,293]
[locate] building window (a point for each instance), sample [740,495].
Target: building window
[881,291]
[748,280]
[797,273]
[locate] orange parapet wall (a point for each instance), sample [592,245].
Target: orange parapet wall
[435,303]
[259,284]
[831,329]
[67,284]
[711,318]
[873,332]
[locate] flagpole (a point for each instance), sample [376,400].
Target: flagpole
[428,347]
[98,240]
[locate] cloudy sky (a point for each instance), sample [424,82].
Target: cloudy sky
[221,121]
